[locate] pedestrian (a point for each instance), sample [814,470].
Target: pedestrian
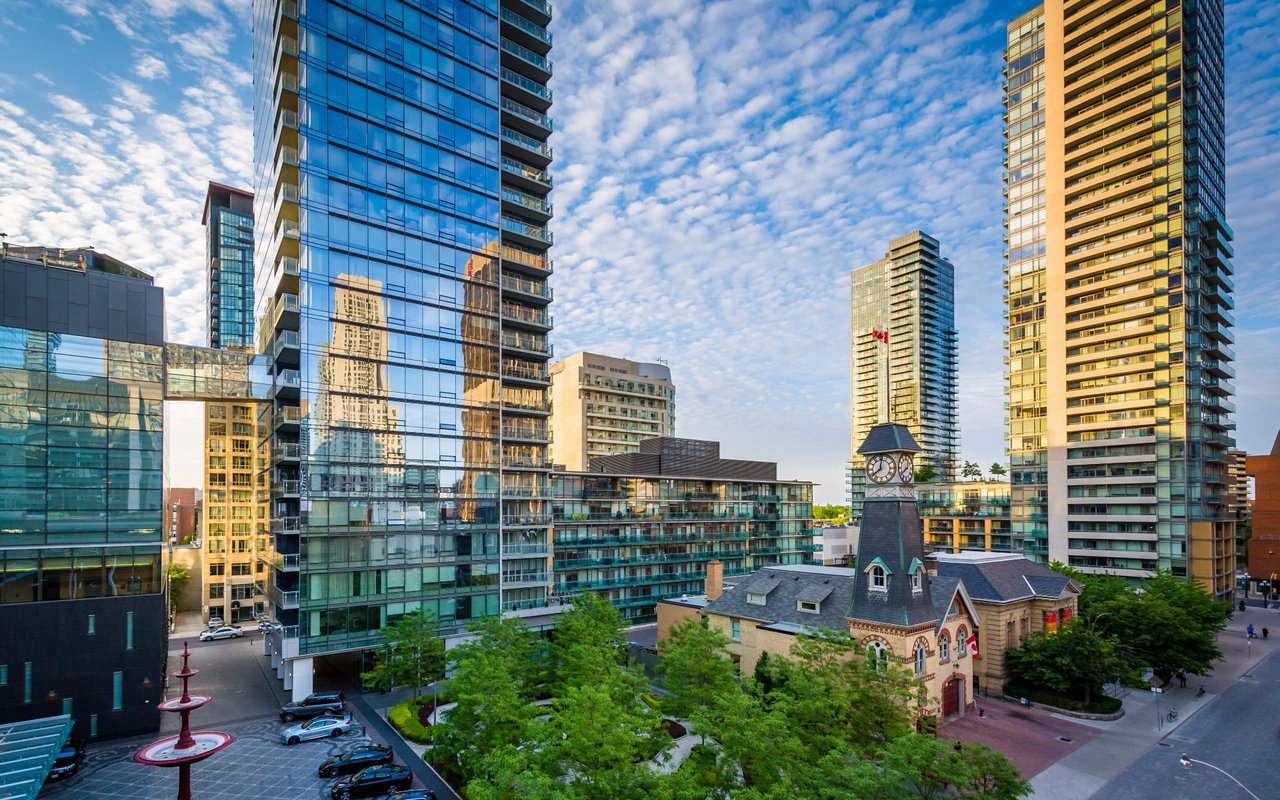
[1265,633]
[1182,679]
[1250,632]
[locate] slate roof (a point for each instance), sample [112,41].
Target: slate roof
[890,532]
[887,437]
[1005,580]
[789,584]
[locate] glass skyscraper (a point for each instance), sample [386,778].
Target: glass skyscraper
[911,294]
[1119,288]
[228,221]
[401,280]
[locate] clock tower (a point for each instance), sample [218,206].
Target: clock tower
[892,586]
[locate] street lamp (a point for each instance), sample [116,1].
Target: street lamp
[1186,761]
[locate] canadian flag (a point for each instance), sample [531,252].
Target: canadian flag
[882,336]
[973,646]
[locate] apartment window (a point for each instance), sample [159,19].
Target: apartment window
[93,619]
[216,592]
[755,599]
[117,691]
[217,569]
[735,630]
[128,630]
[239,569]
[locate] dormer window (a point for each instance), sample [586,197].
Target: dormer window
[808,606]
[917,582]
[755,598]
[877,576]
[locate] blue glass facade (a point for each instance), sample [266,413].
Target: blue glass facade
[401,283]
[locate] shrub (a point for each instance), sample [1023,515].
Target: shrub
[1100,705]
[404,718]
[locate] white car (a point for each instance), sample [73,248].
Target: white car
[225,632]
[318,728]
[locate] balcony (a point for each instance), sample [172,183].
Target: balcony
[526,520]
[538,207]
[284,313]
[526,550]
[285,451]
[286,563]
[532,122]
[286,525]
[527,148]
[524,580]
[524,433]
[536,10]
[525,233]
[520,372]
[530,345]
[286,488]
[288,418]
[532,290]
[280,598]
[537,263]
[527,177]
[535,66]
[286,384]
[530,34]
[284,348]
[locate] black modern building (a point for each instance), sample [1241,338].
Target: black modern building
[82,606]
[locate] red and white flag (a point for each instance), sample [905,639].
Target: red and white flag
[881,336]
[973,646]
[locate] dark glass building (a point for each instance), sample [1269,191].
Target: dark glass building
[82,609]
[228,221]
[401,281]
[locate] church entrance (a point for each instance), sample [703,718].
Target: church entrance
[952,698]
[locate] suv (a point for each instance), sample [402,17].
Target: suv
[314,705]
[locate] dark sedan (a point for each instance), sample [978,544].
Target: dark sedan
[412,794]
[373,782]
[366,755]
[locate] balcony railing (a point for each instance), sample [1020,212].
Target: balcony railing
[524,170]
[525,229]
[526,200]
[526,520]
[528,142]
[524,112]
[520,51]
[527,343]
[536,31]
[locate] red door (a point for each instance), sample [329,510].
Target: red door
[952,692]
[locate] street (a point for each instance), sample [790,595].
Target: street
[1238,732]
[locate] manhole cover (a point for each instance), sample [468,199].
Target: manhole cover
[1064,738]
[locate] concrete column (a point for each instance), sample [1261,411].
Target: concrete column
[300,677]
[275,662]
[266,645]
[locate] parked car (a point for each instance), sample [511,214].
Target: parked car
[215,622]
[224,632]
[412,794]
[372,782]
[313,705]
[318,728]
[354,760]
[266,625]
[68,761]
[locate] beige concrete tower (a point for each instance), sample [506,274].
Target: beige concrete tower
[601,405]
[1119,288]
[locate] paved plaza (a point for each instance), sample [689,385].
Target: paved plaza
[254,767]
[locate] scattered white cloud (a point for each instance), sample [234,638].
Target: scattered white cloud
[148,67]
[71,110]
[80,36]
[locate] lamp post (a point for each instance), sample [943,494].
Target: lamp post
[1186,761]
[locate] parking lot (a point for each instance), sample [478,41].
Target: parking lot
[246,700]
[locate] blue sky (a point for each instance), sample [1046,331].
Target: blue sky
[720,167]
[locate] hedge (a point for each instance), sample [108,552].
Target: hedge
[404,718]
[1102,704]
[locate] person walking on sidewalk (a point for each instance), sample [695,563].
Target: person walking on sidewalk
[1182,679]
[1265,633]
[1250,632]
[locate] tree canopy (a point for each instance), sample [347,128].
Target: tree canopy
[413,654]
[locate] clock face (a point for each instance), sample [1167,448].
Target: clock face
[881,468]
[906,468]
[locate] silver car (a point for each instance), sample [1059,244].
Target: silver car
[318,728]
[225,632]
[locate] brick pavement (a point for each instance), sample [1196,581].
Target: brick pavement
[1031,737]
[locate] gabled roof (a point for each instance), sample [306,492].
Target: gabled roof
[948,594]
[1006,580]
[831,586]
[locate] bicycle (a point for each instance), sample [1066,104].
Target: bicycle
[1172,716]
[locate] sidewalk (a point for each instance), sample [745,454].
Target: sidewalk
[1120,743]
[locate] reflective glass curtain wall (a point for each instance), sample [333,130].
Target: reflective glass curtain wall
[409,358]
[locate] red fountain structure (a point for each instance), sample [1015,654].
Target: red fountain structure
[186,748]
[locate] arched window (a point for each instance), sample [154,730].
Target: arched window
[944,647]
[917,581]
[922,659]
[962,643]
[879,579]
[877,656]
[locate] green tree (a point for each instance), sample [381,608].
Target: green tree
[929,768]
[696,666]
[589,641]
[926,473]
[1076,661]
[178,577]
[492,686]
[998,470]
[413,654]
[991,775]
[971,470]
[832,514]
